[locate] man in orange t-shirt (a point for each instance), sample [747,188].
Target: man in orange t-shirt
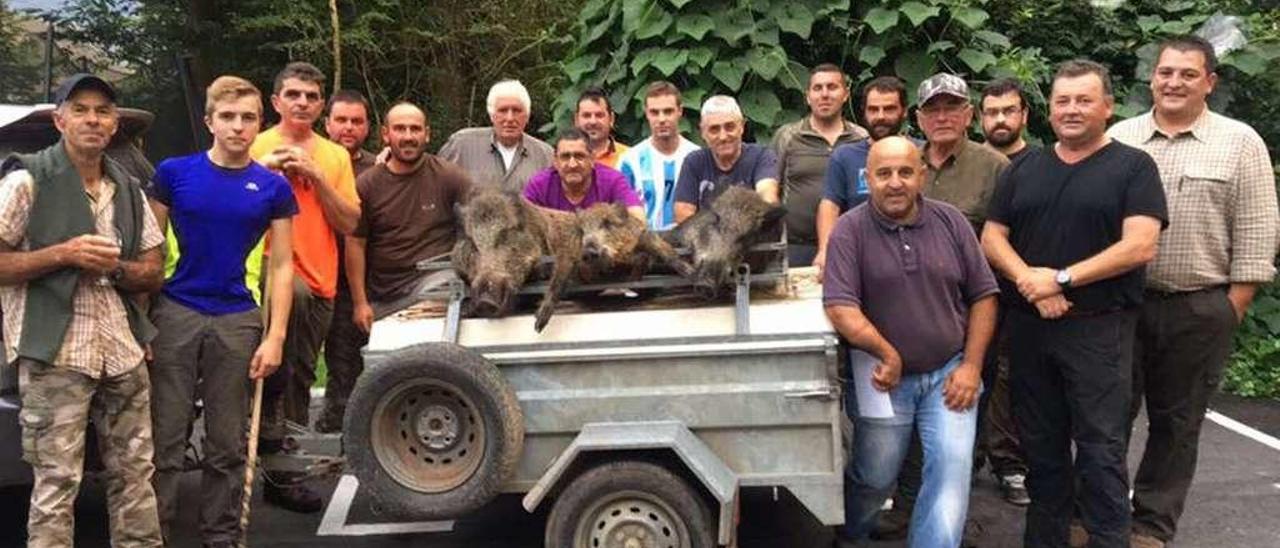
[323,182]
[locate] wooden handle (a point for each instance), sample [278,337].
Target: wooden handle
[250,462]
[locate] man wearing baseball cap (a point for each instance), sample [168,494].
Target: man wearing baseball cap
[73,257]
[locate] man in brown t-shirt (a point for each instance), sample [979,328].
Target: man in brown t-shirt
[406,216]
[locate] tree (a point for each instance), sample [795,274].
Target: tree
[20,57]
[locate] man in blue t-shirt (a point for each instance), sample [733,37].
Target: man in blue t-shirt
[725,161]
[211,344]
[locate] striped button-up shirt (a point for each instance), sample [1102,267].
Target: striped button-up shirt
[1224,226]
[98,342]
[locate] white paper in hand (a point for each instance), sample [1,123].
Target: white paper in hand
[872,403]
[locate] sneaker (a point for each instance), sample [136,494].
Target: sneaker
[892,524]
[294,496]
[1138,540]
[1014,489]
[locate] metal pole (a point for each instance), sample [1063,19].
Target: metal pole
[48,62]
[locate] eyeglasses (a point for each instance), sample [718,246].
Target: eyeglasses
[294,95]
[567,157]
[939,109]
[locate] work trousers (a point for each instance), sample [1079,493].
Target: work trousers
[1183,343]
[997,433]
[57,406]
[198,356]
[287,393]
[1071,383]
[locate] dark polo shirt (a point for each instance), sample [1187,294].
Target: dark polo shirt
[967,179]
[803,156]
[914,282]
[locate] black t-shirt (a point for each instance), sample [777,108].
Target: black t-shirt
[1059,214]
[1023,152]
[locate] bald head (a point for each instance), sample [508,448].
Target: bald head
[895,175]
[405,130]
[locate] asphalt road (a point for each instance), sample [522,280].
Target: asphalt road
[1234,503]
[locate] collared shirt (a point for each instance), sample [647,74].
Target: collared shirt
[913,281]
[476,151]
[966,179]
[612,155]
[803,157]
[608,186]
[1221,191]
[98,342]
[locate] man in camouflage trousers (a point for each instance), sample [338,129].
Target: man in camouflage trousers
[74,257]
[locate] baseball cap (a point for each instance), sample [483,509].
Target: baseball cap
[942,84]
[77,82]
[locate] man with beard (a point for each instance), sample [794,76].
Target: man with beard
[1004,116]
[804,150]
[725,161]
[1004,112]
[576,181]
[319,171]
[884,111]
[347,125]
[594,117]
[502,155]
[406,216]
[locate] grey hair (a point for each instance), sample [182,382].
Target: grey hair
[721,104]
[508,88]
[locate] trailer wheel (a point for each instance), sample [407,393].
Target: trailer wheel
[630,504]
[434,431]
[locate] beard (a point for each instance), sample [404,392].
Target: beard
[1003,139]
[880,131]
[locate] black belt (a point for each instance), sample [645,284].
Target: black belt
[1165,295]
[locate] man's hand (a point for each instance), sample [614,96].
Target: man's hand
[820,262]
[383,156]
[1054,307]
[887,373]
[1039,283]
[960,391]
[296,161]
[362,316]
[266,359]
[92,253]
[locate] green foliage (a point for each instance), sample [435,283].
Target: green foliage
[1254,370]
[20,57]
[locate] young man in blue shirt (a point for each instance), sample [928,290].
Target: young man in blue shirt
[219,203]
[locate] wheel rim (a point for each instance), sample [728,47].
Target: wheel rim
[631,519]
[428,435]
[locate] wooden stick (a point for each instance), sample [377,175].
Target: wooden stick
[251,462]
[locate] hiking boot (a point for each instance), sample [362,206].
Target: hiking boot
[892,524]
[1014,489]
[288,491]
[330,421]
[1138,540]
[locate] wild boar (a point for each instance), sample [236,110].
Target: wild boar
[720,236]
[618,246]
[503,240]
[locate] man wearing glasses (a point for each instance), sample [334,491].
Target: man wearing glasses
[961,172]
[320,172]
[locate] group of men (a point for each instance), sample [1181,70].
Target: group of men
[930,252]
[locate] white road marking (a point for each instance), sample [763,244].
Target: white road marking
[334,522]
[1242,429]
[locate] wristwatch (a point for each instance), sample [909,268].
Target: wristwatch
[117,274]
[1063,277]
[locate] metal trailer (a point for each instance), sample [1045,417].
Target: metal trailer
[639,426]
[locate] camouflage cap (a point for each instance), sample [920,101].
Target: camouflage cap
[942,84]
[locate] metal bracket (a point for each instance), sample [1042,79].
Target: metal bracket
[742,301]
[453,315]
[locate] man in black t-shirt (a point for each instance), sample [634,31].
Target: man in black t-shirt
[1070,228]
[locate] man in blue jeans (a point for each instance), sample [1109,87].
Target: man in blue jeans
[906,282]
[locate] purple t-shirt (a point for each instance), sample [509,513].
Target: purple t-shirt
[608,187]
[914,282]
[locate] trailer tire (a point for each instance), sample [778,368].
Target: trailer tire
[433,431]
[629,501]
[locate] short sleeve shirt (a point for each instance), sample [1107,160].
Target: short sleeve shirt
[608,186]
[218,215]
[914,282]
[1059,214]
[966,180]
[407,218]
[701,181]
[845,183]
[653,176]
[315,244]
[803,158]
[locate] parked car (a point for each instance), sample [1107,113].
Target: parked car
[28,128]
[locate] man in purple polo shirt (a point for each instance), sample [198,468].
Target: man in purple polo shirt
[906,282]
[576,181]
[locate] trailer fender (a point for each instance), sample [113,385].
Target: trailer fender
[710,471]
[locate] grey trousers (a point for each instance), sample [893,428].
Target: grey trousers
[205,357]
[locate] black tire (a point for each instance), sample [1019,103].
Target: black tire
[630,501]
[433,431]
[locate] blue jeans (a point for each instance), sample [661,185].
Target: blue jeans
[879,446]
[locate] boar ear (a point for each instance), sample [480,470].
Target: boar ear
[620,210]
[772,216]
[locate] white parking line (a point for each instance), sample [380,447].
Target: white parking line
[334,522]
[1242,429]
